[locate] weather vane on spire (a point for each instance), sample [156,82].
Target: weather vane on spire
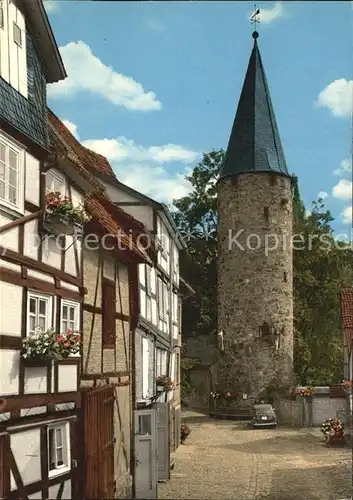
[254,19]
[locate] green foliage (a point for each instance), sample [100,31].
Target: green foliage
[186,364]
[321,268]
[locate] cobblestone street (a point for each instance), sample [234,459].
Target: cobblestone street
[227,460]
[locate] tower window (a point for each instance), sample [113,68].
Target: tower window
[266,213]
[265,329]
[272,180]
[285,277]
[17,35]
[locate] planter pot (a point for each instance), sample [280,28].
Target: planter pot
[59,224]
[36,362]
[161,388]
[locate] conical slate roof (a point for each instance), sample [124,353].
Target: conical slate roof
[254,144]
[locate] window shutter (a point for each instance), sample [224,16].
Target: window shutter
[108,314]
[4,44]
[22,56]
[145,367]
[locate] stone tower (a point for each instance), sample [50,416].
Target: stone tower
[255,270]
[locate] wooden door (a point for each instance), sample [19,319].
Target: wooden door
[98,442]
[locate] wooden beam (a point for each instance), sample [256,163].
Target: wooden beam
[16,258]
[98,310]
[19,222]
[32,400]
[10,342]
[10,276]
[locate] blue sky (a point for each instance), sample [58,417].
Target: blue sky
[152,85]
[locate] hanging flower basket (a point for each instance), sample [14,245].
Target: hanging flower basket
[347,385]
[62,217]
[164,383]
[45,346]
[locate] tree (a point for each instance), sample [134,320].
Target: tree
[321,267]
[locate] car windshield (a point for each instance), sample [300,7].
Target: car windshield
[263,409]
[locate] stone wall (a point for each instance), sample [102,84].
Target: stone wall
[255,290]
[289,412]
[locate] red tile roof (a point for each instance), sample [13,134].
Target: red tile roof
[88,158]
[347,314]
[112,219]
[97,207]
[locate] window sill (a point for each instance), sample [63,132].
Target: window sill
[59,472]
[12,211]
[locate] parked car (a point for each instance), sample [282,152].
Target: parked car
[263,415]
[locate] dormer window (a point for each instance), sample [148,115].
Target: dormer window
[17,34]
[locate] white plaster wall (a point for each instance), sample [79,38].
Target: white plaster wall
[142,213]
[68,286]
[26,412]
[31,239]
[65,406]
[25,447]
[9,372]
[36,496]
[77,198]
[70,261]
[11,304]
[35,380]
[143,311]
[10,265]
[67,378]
[41,276]
[109,268]
[8,239]
[53,491]
[51,253]
[32,179]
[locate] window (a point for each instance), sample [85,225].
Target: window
[70,312]
[266,213]
[1,17]
[285,277]
[163,299]
[9,175]
[145,368]
[148,293]
[175,308]
[161,362]
[58,449]
[108,313]
[55,183]
[17,34]
[39,312]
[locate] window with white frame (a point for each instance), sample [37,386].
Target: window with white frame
[17,34]
[161,362]
[146,359]
[40,313]
[10,188]
[148,292]
[54,182]
[175,307]
[163,299]
[70,316]
[59,458]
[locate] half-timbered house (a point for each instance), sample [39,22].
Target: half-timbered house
[157,338]
[41,279]
[110,258]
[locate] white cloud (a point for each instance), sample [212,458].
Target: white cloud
[50,5]
[86,72]
[343,189]
[155,26]
[347,215]
[266,16]
[72,127]
[147,169]
[338,98]
[344,168]
[322,194]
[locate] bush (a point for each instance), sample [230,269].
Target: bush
[184,432]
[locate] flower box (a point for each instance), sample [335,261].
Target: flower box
[160,388]
[59,224]
[45,346]
[33,362]
[164,383]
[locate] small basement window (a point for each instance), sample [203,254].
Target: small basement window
[17,34]
[58,449]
